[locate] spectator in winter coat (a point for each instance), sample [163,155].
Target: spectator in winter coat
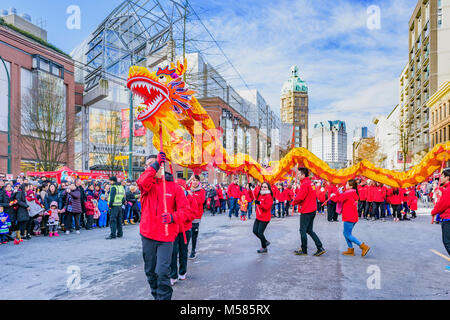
[103,208]
[22,211]
[5,224]
[73,208]
[442,208]
[132,197]
[264,201]
[90,212]
[8,203]
[162,212]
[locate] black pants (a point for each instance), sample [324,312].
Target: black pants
[195,227]
[258,229]
[212,206]
[116,221]
[331,209]
[29,226]
[68,223]
[367,209]
[180,253]
[22,226]
[90,221]
[306,227]
[397,211]
[377,207]
[446,235]
[361,208]
[287,205]
[157,257]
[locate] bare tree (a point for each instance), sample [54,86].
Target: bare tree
[405,132]
[45,132]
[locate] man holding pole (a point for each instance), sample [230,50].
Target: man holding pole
[164,206]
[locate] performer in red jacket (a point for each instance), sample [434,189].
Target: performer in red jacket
[306,199]
[159,227]
[442,208]
[349,200]
[195,189]
[181,243]
[264,201]
[321,194]
[288,196]
[412,203]
[362,192]
[234,194]
[331,205]
[396,201]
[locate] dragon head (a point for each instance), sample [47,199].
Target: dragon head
[164,86]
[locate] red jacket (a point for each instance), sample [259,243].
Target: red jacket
[248,195]
[412,200]
[379,194]
[152,205]
[330,189]
[288,194]
[190,214]
[403,196]
[90,209]
[305,197]
[349,205]
[234,191]
[219,193]
[280,196]
[321,194]
[395,199]
[443,205]
[200,197]
[362,190]
[263,210]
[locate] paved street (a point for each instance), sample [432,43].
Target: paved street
[228,267]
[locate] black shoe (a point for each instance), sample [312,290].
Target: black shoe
[192,256]
[28,237]
[120,236]
[110,238]
[262,250]
[300,252]
[267,243]
[319,252]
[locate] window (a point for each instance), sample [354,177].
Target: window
[4,96]
[439,18]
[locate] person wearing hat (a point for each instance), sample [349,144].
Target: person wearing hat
[164,207]
[442,208]
[116,200]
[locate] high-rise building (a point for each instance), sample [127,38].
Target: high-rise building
[329,143]
[439,105]
[427,69]
[360,132]
[294,109]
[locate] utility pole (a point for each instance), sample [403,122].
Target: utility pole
[8,170]
[185,170]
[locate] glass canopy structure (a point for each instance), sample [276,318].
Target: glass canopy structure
[133,31]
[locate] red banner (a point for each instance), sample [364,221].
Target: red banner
[138,130]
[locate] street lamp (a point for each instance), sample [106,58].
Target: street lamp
[9,115]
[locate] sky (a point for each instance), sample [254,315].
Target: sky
[350,62]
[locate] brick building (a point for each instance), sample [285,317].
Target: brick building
[28,58]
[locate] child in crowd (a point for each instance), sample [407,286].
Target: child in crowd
[103,208]
[53,219]
[96,213]
[90,211]
[5,224]
[243,203]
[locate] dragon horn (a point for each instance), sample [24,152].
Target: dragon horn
[181,68]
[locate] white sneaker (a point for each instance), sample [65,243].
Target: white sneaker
[182,277]
[173,281]
[67,232]
[77,232]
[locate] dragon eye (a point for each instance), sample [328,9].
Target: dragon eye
[162,77]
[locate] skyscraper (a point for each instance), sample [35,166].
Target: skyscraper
[329,143]
[294,109]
